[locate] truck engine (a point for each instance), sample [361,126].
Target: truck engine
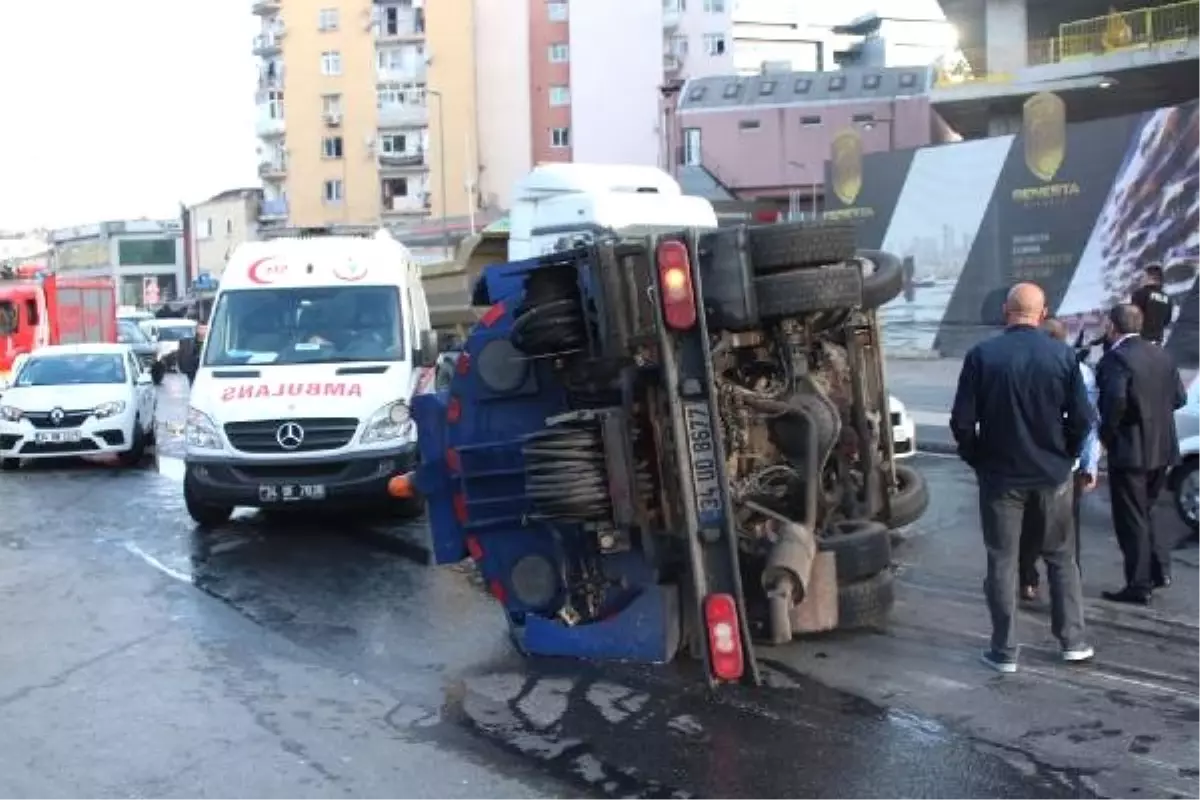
[679,439]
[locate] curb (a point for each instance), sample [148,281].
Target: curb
[938,448]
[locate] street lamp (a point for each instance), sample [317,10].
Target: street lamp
[441,120]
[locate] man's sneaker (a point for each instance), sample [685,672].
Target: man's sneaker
[999,661]
[1078,653]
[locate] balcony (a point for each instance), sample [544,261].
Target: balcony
[407,26]
[404,115]
[265,8]
[672,63]
[268,44]
[272,170]
[415,158]
[406,205]
[273,210]
[407,75]
[672,15]
[269,127]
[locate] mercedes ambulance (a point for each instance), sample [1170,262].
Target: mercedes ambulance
[301,397]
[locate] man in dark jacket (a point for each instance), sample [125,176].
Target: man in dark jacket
[1154,303]
[1020,417]
[1140,389]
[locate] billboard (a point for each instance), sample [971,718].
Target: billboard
[1077,208]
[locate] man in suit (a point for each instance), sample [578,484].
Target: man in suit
[1140,388]
[1020,417]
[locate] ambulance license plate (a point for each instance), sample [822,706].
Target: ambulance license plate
[698,420]
[290,492]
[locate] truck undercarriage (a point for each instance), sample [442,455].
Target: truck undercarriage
[675,439]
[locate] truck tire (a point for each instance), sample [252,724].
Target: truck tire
[910,499]
[799,244]
[205,515]
[861,548]
[867,604]
[883,277]
[809,290]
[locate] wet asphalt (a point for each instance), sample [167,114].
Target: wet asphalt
[317,657]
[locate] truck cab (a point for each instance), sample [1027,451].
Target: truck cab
[301,394]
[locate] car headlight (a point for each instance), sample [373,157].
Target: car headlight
[200,431]
[393,421]
[11,413]
[109,409]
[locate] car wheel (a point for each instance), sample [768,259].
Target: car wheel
[137,448]
[157,372]
[861,548]
[152,433]
[867,604]
[910,499]
[205,515]
[1187,493]
[10,464]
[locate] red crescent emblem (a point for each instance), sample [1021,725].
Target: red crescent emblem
[350,272]
[265,270]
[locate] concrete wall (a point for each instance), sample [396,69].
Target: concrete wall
[502,28]
[601,83]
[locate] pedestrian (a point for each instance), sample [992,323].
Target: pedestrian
[1020,417]
[1087,472]
[1154,303]
[1140,389]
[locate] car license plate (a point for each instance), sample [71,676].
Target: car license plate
[698,420]
[290,492]
[57,437]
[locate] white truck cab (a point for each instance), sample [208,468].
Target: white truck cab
[557,206]
[301,394]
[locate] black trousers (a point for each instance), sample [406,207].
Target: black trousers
[1147,555]
[1032,535]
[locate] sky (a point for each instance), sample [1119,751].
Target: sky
[119,109]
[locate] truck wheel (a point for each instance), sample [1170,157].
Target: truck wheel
[910,499]
[867,604]
[808,290]
[883,279]
[10,464]
[205,515]
[799,244]
[861,548]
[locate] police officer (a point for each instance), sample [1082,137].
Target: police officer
[1154,303]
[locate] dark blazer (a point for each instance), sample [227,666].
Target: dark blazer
[1140,389]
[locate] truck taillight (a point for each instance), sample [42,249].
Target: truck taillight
[675,280]
[724,638]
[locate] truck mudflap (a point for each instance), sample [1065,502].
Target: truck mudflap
[474,435]
[716,597]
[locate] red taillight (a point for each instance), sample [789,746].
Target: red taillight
[724,637]
[493,314]
[498,591]
[452,461]
[463,366]
[460,508]
[453,410]
[675,281]
[474,548]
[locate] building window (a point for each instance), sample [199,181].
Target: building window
[749,125]
[394,188]
[273,100]
[208,229]
[677,45]
[837,83]
[145,252]
[560,95]
[732,90]
[560,137]
[331,147]
[331,105]
[392,97]
[334,191]
[871,81]
[765,88]
[331,62]
[802,85]
[810,121]
[714,6]
[691,147]
[556,11]
[327,19]
[714,44]
[864,118]
[393,143]
[696,93]
[559,54]
[228,226]
[908,80]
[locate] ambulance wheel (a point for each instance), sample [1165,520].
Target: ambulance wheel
[910,499]
[205,515]
[868,603]
[788,245]
[10,464]
[861,548]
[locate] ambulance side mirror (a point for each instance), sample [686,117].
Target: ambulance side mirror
[428,348]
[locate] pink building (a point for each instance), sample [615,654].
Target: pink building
[769,135]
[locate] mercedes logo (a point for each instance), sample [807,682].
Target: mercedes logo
[56,416]
[290,435]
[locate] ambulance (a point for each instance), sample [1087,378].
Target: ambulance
[301,395]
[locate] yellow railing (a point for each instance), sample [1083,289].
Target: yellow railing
[1129,30]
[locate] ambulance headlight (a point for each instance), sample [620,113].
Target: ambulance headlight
[393,421]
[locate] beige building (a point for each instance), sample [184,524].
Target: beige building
[220,224]
[352,96]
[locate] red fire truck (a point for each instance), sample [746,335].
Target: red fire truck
[39,308]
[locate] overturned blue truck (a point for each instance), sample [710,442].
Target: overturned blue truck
[675,442]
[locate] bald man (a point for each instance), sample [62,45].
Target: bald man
[1020,418]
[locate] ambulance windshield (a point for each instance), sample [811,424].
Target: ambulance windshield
[318,325]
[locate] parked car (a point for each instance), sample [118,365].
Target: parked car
[78,400]
[128,332]
[1184,481]
[169,333]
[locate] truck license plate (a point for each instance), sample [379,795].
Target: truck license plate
[56,437]
[698,420]
[290,492]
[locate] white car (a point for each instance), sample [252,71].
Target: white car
[1184,481]
[77,400]
[904,430]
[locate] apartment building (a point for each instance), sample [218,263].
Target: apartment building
[361,106]
[217,226]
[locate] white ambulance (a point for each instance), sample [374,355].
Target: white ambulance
[315,347]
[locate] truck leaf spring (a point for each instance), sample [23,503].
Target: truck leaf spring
[551,318]
[565,475]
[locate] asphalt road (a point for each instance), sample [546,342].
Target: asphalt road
[321,659]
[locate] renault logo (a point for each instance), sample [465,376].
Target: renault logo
[290,435]
[56,416]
